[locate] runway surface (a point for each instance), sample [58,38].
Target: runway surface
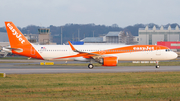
[12,68]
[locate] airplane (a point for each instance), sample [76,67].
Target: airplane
[107,55]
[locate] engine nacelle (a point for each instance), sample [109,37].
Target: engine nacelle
[109,61]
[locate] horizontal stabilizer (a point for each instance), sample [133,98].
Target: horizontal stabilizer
[16,49]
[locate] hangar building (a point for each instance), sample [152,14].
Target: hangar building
[113,37]
[150,36]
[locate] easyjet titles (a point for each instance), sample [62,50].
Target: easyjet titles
[15,33]
[143,48]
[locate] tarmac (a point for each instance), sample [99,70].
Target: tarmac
[15,68]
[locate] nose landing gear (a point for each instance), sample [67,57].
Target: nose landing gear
[157,66]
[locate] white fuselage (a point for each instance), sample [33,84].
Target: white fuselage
[50,52]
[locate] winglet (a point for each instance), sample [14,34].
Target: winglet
[72,47]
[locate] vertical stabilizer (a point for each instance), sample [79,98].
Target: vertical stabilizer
[19,44]
[16,38]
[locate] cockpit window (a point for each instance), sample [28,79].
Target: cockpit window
[167,50]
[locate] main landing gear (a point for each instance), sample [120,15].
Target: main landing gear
[157,66]
[90,66]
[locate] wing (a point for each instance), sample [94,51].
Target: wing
[75,50]
[96,57]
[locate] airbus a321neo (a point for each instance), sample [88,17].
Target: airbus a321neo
[107,55]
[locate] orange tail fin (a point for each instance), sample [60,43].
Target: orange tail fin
[16,38]
[19,44]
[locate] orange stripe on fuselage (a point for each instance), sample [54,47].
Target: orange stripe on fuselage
[127,49]
[28,51]
[85,55]
[133,48]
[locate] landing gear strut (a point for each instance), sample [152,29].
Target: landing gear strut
[157,66]
[90,66]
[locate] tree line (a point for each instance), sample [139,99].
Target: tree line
[70,31]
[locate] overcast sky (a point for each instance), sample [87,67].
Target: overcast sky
[100,12]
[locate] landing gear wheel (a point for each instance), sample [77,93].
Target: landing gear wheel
[90,66]
[157,66]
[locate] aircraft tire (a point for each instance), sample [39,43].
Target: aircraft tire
[90,66]
[157,66]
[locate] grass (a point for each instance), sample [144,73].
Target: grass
[91,86]
[14,62]
[15,58]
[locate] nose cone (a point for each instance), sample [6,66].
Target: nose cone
[174,55]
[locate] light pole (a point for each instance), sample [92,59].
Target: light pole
[78,34]
[61,35]
[73,37]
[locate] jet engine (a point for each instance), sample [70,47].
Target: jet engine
[109,61]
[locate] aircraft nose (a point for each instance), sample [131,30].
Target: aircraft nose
[174,55]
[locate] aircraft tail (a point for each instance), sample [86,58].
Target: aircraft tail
[19,44]
[16,38]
